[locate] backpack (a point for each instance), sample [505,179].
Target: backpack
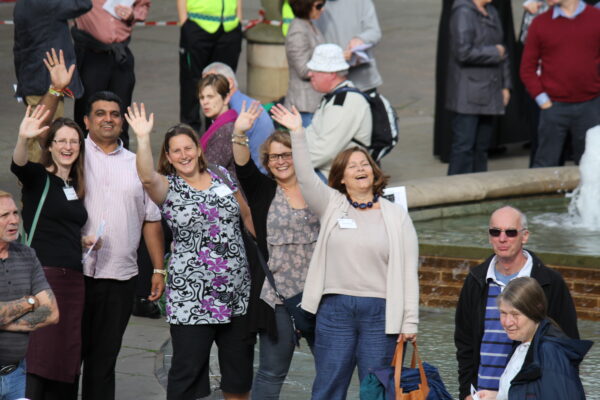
[384,135]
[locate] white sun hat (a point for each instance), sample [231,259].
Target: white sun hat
[328,57]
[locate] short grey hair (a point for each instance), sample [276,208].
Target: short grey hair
[343,73]
[223,69]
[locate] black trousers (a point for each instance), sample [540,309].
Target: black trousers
[108,305]
[100,71]
[38,388]
[555,124]
[197,49]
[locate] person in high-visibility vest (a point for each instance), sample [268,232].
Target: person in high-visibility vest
[210,31]
[287,15]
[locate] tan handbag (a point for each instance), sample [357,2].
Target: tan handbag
[423,391]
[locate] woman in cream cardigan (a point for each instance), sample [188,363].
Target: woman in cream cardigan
[362,281]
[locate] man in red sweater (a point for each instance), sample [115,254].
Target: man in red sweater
[561,70]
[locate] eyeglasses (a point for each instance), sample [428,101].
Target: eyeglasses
[64,142]
[283,156]
[319,6]
[495,232]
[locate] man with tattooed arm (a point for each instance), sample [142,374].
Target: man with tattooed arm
[26,301]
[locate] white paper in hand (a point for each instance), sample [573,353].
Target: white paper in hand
[99,233]
[110,6]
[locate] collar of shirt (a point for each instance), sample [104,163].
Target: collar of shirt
[559,12]
[90,142]
[525,271]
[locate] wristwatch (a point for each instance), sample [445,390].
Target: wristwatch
[31,302]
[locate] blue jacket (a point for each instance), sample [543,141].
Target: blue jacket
[551,367]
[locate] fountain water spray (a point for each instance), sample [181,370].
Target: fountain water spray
[585,204]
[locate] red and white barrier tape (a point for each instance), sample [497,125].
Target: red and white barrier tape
[246,24]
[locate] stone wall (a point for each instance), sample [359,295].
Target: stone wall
[441,279]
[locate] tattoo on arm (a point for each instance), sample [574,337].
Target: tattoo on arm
[12,310]
[33,319]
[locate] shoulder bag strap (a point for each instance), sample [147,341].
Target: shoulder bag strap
[27,239]
[267,271]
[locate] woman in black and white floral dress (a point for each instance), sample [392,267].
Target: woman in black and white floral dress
[209,284]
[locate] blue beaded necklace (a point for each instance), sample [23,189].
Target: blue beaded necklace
[362,206]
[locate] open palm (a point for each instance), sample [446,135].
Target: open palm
[289,119]
[246,118]
[137,120]
[31,124]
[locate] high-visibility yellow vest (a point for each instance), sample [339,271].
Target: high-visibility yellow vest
[287,15]
[210,14]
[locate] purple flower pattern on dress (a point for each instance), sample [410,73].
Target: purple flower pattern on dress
[208,281]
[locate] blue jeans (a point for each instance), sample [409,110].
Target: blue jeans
[12,386]
[275,358]
[350,331]
[471,136]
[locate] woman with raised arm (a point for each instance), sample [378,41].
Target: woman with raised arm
[286,232]
[53,216]
[362,281]
[208,281]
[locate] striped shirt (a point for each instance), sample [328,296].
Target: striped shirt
[20,275]
[115,195]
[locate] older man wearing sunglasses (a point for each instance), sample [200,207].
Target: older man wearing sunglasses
[481,343]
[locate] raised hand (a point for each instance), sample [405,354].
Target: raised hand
[60,75]
[246,118]
[289,119]
[136,118]
[31,124]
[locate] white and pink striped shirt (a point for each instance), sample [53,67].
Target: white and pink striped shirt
[115,195]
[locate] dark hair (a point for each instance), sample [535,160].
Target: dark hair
[526,295]
[76,174]
[217,81]
[336,174]
[103,95]
[302,8]
[164,166]
[282,137]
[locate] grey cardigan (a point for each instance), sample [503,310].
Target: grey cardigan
[476,72]
[301,40]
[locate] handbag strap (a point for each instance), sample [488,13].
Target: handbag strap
[267,271]
[397,364]
[25,238]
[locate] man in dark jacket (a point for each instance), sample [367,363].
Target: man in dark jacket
[481,344]
[41,25]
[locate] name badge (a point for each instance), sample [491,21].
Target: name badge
[346,223]
[222,190]
[70,193]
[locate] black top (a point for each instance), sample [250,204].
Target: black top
[259,191]
[470,312]
[57,238]
[20,275]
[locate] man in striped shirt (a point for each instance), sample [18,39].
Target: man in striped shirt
[481,344]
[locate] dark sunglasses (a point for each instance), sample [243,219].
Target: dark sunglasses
[319,6]
[495,232]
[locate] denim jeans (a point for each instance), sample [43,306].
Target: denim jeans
[556,122]
[350,331]
[275,358]
[12,386]
[471,136]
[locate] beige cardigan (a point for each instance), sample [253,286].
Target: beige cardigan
[402,299]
